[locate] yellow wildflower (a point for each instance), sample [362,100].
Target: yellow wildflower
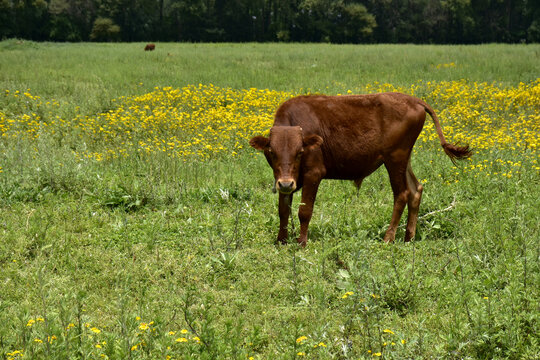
[301,339]
[16,353]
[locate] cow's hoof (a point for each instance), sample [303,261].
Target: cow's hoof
[302,243]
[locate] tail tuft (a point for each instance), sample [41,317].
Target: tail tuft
[457,152]
[453,151]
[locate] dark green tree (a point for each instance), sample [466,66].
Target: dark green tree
[337,21]
[334,21]
[105,29]
[532,12]
[71,20]
[354,24]
[27,19]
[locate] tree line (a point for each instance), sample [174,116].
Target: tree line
[335,21]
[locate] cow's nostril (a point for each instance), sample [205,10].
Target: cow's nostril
[286,185]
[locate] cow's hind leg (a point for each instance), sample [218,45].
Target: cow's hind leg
[415,197]
[398,180]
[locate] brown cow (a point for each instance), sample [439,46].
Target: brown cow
[347,137]
[149,47]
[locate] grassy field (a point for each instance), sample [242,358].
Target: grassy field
[136,222]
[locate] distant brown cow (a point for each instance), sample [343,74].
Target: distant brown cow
[347,137]
[149,47]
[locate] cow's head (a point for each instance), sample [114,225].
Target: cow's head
[283,150]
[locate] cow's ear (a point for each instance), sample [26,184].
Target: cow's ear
[312,141]
[259,142]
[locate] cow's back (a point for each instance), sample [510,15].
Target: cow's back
[359,131]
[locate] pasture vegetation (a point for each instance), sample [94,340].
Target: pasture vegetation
[136,222]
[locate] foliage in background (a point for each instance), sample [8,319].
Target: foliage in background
[336,21]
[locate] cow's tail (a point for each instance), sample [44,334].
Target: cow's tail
[453,151]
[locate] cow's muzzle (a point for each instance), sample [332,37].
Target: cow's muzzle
[286,186]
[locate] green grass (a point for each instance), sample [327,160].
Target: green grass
[109,257]
[91,75]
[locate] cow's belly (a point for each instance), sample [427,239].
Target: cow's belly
[353,168]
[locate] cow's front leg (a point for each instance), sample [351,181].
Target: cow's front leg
[285,201]
[305,210]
